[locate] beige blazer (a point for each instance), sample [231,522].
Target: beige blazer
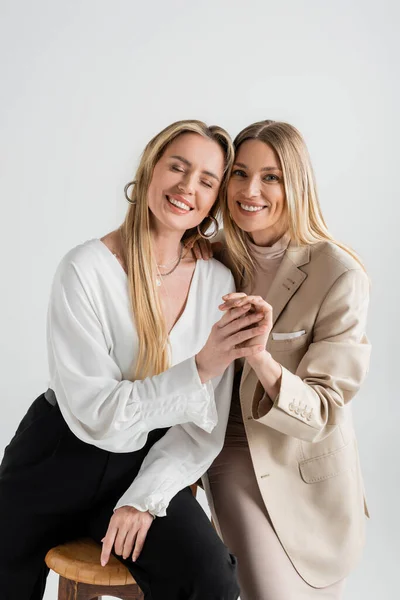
[304,448]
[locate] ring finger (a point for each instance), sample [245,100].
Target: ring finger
[246,334]
[232,315]
[129,543]
[243,322]
[120,541]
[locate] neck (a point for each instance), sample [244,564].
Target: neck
[267,237]
[166,245]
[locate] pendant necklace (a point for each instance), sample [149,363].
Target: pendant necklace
[160,275]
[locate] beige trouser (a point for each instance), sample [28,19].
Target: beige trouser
[265,571]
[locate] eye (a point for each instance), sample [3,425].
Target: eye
[177,168]
[238,173]
[271,177]
[207,183]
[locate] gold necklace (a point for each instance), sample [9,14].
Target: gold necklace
[158,278]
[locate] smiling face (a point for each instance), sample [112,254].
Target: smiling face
[256,194]
[185,182]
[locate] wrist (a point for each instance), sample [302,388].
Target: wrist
[269,373]
[262,359]
[201,371]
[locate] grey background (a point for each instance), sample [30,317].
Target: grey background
[86,84]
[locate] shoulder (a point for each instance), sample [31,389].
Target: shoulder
[80,263]
[329,263]
[332,269]
[333,255]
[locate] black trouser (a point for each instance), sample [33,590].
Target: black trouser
[53,488]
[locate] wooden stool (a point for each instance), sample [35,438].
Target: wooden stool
[83,578]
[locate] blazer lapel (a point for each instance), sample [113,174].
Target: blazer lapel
[287,281]
[288,278]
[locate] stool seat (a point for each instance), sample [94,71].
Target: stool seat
[79,561]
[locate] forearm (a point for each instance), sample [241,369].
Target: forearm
[179,458]
[269,373]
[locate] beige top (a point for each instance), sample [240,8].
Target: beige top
[268,260]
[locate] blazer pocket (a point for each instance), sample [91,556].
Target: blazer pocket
[328,465]
[287,345]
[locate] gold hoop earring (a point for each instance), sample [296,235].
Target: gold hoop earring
[209,236]
[126,188]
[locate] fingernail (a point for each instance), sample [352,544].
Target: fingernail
[103,563]
[133,559]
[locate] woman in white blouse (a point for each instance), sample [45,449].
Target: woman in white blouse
[139,390]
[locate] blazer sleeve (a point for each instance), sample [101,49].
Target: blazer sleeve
[310,402]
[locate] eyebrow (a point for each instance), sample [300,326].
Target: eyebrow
[189,164]
[239,164]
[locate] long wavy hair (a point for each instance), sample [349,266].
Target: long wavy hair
[304,220]
[154,356]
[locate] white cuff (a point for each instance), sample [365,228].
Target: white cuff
[185,399]
[155,504]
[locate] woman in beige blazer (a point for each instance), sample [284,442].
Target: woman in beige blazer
[286,491]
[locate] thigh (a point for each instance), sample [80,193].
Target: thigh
[37,501]
[25,540]
[264,569]
[46,469]
[183,557]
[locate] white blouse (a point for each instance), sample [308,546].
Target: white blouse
[92,345]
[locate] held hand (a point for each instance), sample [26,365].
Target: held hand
[127,532]
[268,370]
[257,306]
[227,341]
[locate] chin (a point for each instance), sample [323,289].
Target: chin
[244,225]
[168,221]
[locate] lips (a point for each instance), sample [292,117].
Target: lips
[251,208]
[179,202]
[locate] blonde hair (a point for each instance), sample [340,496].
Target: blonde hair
[304,220]
[153,357]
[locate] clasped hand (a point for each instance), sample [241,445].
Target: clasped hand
[242,332]
[256,306]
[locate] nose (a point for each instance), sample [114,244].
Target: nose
[186,184]
[251,188]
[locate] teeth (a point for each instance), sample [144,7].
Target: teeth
[178,204]
[251,208]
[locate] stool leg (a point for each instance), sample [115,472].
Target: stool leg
[67,590]
[72,590]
